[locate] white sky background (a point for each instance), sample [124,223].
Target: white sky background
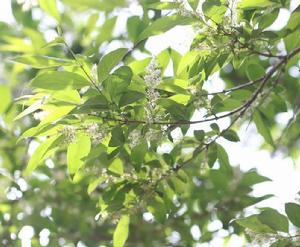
[283,172]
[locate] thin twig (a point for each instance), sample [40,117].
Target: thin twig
[82,68]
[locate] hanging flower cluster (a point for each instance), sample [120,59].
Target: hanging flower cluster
[262,239]
[69,133]
[95,132]
[134,138]
[152,80]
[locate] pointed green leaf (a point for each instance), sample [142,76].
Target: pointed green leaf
[293,212]
[50,7]
[44,150]
[116,166]
[59,80]
[275,220]
[42,62]
[231,135]
[255,71]
[109,61]
[252,4]
[262,127]
[252,222]
[121,232]
[77,152]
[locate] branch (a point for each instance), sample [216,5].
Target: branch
[241,110]
[82,68]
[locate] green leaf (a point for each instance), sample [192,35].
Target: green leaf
[231,135]
[5,98]
[50,7]
[253,4]
[42,62]
[199,135]
[164,5]
[116,166]
[94,183]
[282,243]
[268,19]
[138,153]
[262,127]
[255,71]
[109,61]
[130,97]
[158,208]
[294,20]
[275,220]
[252,177]
[59,80]
[117,137]
[224,160]
[117,83]
[212,154]
[32,108]
[163,24]
[293,212]
[121,232]
[214,9]
[253,223]
[44,150]
[135,26]
[77,152]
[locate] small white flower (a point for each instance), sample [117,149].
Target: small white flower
[134,138]
[69,133]
[153,74]
[152,96]
[96,133]
[261,239]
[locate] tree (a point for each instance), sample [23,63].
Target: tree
[84,118]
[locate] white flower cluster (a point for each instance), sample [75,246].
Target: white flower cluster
[95,132]
[152,80]
[200,100]
[134,138]
[69,134]
[154,135]
[27,4]
[153,74]
[152,96]
[113,179]
[262,239]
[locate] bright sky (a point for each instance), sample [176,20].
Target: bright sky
[285,175]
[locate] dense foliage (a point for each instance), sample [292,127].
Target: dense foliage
[96,144]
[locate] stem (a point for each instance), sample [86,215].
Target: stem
[82,68]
